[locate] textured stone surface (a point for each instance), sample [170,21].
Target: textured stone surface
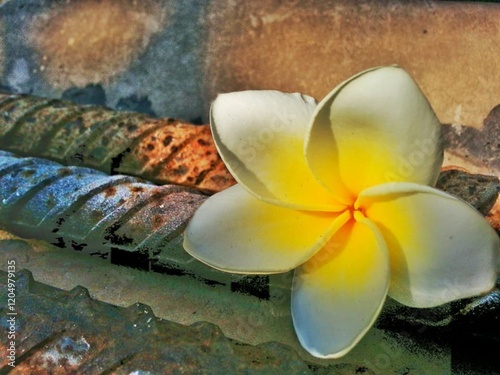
[477,150]
[77,43]
[148,49]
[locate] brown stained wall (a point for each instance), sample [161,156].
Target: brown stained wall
[452,49]
[91,41]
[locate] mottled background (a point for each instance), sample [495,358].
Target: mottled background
[172,57]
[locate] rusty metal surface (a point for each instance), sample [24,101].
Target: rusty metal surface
[122,219]
[466,320]
[471,318]
[90,207]
[165,151]
[60,332]
[135,223]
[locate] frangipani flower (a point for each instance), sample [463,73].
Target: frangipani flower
[340,191]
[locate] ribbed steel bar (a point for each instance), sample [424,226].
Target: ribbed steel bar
[62,332]
[121,218]
[87,210]
[165,151]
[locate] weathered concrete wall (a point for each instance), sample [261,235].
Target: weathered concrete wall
[172,57]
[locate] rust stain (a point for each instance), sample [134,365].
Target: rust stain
[110,191]
[63,172]
[68,332]
[157,221]
[165,151]
[494,216]
[136,189]
[91,41]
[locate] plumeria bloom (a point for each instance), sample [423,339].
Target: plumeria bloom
[341,192]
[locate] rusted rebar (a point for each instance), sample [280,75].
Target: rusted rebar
[164,151]
[120,218]
[87,210]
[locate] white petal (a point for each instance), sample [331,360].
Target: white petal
[338,294]
[374,128]
[441,248]
[260,136]
[234,231]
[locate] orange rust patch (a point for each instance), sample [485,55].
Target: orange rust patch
[136,189]
[183,153]
[91,41]
[494,216]
[110,191]
[158,221]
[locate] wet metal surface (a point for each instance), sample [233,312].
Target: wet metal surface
[120,218]
[59,332]
[416,339]
[165,151]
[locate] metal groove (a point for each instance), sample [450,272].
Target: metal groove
[12,110]
[114,161]
[174,153]
[124,216]
[118,137]
[164,151]
[120,218]
[64,211]
[29,136]
[71,333]
[206,172]
[83,147]
[10,134]
[46,140]
[12,213]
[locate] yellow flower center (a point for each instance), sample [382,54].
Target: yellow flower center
[356,213]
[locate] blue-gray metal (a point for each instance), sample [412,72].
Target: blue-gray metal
[121,218]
